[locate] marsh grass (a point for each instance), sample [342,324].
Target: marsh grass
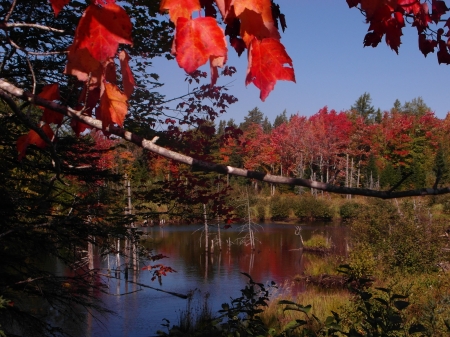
[318,241]
[196,315]
[322,302]
[318,265]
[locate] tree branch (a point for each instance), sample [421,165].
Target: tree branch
[208,166]
[5,25]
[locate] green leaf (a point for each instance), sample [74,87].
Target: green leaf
[295,324]
[365,295]
[329,320]
[396,296]
[395,319]
[417,328]
[386,290]
[400,305]
[447,323]
[383,301]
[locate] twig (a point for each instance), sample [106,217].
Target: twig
[153,288]
[30,25]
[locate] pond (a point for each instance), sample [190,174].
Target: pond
[141,311]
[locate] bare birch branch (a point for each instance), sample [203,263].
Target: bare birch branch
[200,165]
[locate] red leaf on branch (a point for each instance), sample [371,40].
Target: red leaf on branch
[89,98]
[410,6]
[109,68]
[127,75]
[216,62]
[425,45]
[422,18]
[267,64]
[81,64]
[179,8]
[256,20]
[113,106]
[371,7]
[225,8]
[196,40]
[438,8]
[238,44]
[101,29]
[394,31]
[33,138]
[57,5]
[51,92]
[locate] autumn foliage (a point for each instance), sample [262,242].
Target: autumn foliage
[387,18]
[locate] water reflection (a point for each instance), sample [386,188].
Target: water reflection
[140,312]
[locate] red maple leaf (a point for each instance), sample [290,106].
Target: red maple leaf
[88,100]
[127,75]
[425,45]
[51,92]
[438,8]
[267,64]
[57,5]
[256,20]
[196,40]
[101,29]
[216,62]
[109,69]
[113,106]
[179,8]
[33,138]
[394,31]
[81,64]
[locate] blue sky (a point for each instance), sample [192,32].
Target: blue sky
[325,41]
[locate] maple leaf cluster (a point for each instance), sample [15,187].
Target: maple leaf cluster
[49,92]
[387,18]
[250,24]
[104,26]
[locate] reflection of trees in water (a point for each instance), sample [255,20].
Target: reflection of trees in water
[274,256]
[249,228]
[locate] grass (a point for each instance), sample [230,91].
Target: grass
[322,302]
[318,241]
[318,265]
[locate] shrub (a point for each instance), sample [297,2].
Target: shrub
[402,238]
[318,241]
[349,210]
[261,212]
[280,208]
[309,207]
[362,261]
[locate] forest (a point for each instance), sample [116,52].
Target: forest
[91,151]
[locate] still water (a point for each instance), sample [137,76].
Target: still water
[141,311]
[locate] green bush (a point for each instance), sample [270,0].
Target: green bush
[280,208]
[261,212]
[362,261]
[349,210]
[308,207]
[318,241]
[402,238]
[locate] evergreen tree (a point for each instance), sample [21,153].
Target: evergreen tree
[363,106]
[221,127]
[266,125]
[231,123]
[416,107]
[254,116]
[280,119]
[397,106]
